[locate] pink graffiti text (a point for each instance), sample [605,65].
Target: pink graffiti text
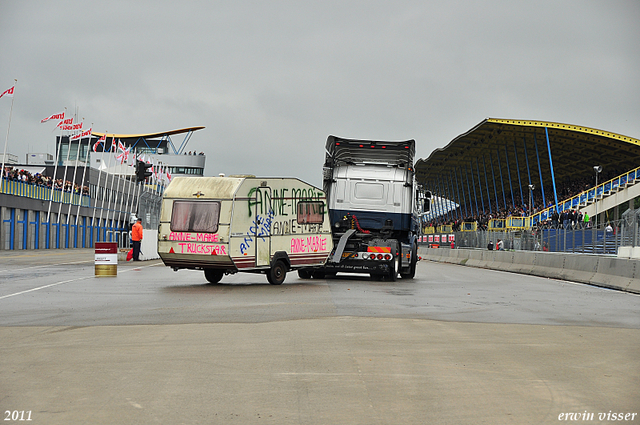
[308,244]
[195,237]
[199,248]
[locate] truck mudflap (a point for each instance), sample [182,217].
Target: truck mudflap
[358,266]
[337,255]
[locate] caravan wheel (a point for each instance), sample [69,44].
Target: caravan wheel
[213,276]
[277,273]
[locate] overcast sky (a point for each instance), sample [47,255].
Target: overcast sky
[271,80]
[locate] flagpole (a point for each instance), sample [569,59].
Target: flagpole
[106,177]
[75,169]
[95,205]
[55,168]
[130,197]
[64,180]
[118,197]
[112,195]
[140,190]
[124,200]
[84,172]
[6,140]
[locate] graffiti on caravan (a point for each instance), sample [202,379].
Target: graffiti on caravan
[309,244]
[291,226]
[200,248]
[260,228]
[283,202]
[193,237]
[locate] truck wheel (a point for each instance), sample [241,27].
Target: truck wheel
[393,269]
[213,276]
[412,267]
[304,274]
[277,273]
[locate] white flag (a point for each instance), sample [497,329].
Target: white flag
[59,116]
[8,92]
[81,135]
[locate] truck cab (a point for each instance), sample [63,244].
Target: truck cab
[371,194]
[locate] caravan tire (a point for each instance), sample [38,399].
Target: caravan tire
[213,276]
[277,273]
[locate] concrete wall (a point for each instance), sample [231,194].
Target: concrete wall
[598,270]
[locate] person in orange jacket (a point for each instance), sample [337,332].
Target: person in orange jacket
[136,237]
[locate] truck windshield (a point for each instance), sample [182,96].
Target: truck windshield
[195,216]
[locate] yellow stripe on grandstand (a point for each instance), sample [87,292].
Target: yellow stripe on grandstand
[561,126]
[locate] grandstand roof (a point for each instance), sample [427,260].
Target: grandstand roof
[575,150]
[148,135]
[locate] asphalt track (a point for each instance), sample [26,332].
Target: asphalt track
[455,345]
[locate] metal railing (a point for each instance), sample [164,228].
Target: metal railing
[591,195]
[606,238]
[576,202]
[30,190]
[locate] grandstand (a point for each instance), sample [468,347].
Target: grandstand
[511,176]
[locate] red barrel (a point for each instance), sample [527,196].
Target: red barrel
[106,260]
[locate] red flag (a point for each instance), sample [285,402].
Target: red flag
[123,155]
[59,116]
[8,92]
[81,135]
[65,122]
[100,140]
[69,125]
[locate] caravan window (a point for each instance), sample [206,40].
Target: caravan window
[198,217]
[310,212]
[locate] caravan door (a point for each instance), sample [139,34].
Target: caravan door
[262,226]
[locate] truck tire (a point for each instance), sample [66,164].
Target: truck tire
[277,273]
[414,260]
[393,269]
[304,274]
[213,276]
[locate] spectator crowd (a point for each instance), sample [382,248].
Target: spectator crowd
[21,175]
[557,219]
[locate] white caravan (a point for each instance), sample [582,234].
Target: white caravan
[232,224]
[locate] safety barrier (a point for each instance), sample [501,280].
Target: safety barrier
[469,226]
[609,272]
[497,224]
[29,229]
[28,190]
